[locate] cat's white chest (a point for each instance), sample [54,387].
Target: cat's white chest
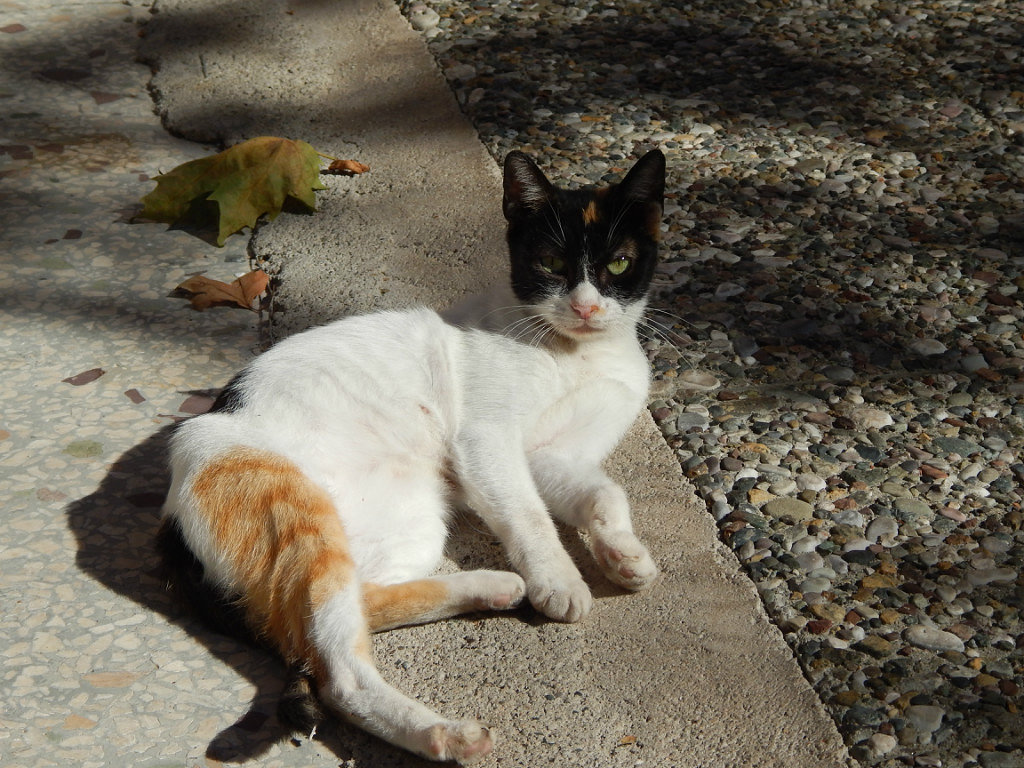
[603,388]
[620,362]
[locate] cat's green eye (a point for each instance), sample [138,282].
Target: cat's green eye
[619,265]
[554,265]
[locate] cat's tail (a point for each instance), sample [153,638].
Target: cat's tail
[275,539]
[299,707]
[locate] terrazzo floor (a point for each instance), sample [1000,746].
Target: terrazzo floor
[97,356]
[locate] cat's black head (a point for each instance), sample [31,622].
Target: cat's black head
[584,257]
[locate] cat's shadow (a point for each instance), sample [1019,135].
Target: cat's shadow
[115,527]
[471,546]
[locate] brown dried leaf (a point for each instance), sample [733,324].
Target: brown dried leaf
[207,292]
[85,377]
[135,396]
[346,168]
[196,404]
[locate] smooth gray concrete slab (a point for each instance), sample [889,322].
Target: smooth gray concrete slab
[99,667]
[352,79]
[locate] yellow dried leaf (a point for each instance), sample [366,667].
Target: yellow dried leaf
[245,181]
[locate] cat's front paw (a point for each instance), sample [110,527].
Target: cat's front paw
[624,560]
[461,740]
[562,599]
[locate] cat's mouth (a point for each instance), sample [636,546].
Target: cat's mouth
[584,328]
[571,326]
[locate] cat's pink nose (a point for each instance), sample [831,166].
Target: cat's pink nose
[584,310]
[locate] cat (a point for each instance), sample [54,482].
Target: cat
[310,506]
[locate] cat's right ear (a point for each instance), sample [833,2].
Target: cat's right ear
[527,189]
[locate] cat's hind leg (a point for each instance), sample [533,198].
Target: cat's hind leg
[274,537]
[439,597]
[349,683]
[397,605]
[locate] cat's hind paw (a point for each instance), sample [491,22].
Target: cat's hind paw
[624,560]
[499,590]
[460,740]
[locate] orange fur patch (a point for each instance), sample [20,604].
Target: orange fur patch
[282,536]
[397,605]
[591,214]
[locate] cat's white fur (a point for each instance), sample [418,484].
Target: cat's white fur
[382,410]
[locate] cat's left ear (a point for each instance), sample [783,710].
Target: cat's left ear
[645,184]
[645,181]
[527,189]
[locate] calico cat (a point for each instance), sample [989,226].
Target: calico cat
[311,504]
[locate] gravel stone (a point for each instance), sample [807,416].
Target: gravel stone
[1013,759]
[933,639]
[924,717]
[883,530]
[882,744]
[789,510]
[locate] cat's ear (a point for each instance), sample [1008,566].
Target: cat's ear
[527,189]
[645,185]
[645,181]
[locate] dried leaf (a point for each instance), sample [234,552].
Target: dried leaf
[207,292]
[85,377]
[347,167]
[196,404]
[135,396]
[245,181]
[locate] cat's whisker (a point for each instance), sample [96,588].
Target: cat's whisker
[674,319]
[619,216]
[506,311]
[667,333]
[672,316]
[555,215]
[653,334]
[530,330]
[541,334]
[529,326]
[545,332]
[513,328]
[653,330]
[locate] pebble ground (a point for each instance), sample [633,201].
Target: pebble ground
[837,333]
